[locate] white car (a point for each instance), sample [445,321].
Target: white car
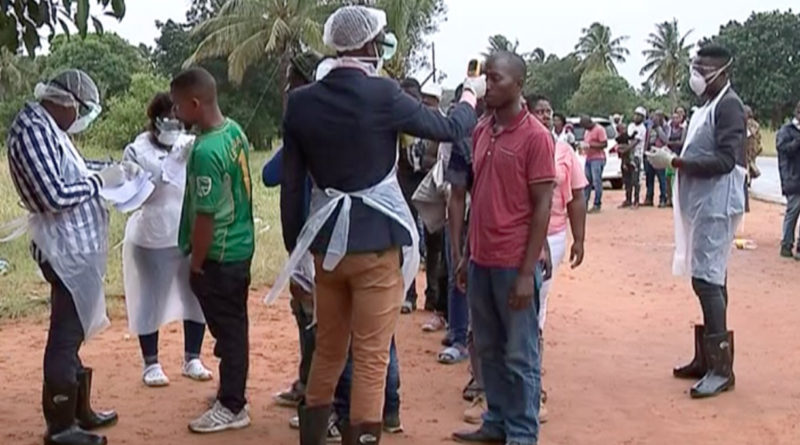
[613,169]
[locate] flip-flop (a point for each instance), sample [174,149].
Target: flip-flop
[453,354]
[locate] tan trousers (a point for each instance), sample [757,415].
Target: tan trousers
[360,298]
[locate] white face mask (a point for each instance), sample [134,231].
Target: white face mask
[796,123]
[83,122]
[699,83]
[169,138]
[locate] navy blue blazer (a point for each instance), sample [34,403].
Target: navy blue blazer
[343,131]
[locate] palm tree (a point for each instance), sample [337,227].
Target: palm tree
[667,58]
[410,20]
[247,30]
[536,56]
[598,50]
[499,42]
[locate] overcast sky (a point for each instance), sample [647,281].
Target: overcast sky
[554,26]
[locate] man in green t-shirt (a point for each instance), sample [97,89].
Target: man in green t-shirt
[217,232]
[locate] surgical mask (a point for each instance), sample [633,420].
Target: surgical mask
[83,122]
[389,49]
[169,138]
[169,130]
[699,83]
[796,123]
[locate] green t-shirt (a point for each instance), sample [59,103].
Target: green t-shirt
[218,183]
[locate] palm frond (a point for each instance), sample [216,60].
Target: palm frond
[245,55]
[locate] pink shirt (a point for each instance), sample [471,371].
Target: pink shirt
[569,176]
[595,135]
[505,164]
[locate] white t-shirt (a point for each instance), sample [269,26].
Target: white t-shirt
[640,132]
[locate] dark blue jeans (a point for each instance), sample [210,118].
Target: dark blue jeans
[594,174]
[457,305]
[391,404]
[650,174]
[507,342]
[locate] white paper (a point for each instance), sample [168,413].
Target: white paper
[137,200]
[131,194]
[127,190]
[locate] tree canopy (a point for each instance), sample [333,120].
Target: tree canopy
[21,20]
[602,93]
[766,66]
[599,50]
[667,59]
[108,58]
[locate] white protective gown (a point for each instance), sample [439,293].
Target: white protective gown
[155,271]
[707,211]
[77,252]
[385,197]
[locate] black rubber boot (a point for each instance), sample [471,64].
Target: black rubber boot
[695,369]
[719,357]
[362,434]
[313,424]
[87,418]
[59,407]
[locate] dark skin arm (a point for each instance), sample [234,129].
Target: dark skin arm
[541,197]
[576,210]
[456,209]
[202,237]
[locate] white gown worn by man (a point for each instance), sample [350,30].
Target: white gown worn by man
[68,225]
[709,204]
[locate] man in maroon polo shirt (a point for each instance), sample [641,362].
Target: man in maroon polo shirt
[514,173]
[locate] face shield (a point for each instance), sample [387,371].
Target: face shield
[73,88]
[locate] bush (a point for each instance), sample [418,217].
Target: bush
[126,116]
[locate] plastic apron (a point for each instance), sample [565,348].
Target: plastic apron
[385,197]
[707,211]
[76,251]
[155,271]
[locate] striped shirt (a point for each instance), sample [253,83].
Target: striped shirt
[59,192]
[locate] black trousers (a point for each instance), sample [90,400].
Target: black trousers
[222,292]
[304,319]
[65,336]
[435,272]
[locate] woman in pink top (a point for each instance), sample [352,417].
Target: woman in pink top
[568,210]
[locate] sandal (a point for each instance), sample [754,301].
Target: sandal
[434,324]
[454,354]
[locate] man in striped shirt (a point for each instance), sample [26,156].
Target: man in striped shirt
[68,226]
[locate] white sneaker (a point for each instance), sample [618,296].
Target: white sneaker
[219,418]
[154,376]
[195,370]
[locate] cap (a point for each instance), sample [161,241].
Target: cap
[432,89]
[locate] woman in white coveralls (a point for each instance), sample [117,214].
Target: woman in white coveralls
[155,271]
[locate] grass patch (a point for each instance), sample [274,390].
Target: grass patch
[23,292]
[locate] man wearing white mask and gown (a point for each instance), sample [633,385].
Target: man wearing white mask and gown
[155,271]
[709,205]
[68,225]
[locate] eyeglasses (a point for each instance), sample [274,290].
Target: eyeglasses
[85,107]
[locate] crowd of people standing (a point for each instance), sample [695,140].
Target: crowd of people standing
[373,174]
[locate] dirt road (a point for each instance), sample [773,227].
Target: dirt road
[615,329]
